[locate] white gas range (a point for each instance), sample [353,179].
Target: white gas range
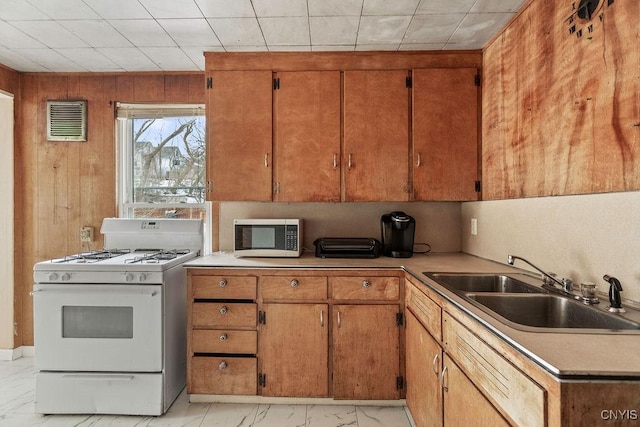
[110,325]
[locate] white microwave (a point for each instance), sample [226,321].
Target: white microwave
[267,237]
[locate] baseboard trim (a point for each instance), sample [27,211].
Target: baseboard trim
[16,353]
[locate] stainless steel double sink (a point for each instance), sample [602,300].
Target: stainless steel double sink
[520,302]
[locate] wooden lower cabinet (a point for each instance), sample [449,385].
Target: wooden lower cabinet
[223,375]
[463,403]
[294,350]
[366,352]
[423,367]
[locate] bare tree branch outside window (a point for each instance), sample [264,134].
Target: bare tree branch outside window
[169,160]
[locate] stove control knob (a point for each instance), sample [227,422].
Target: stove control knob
[142,277]
[128,277]
[53,276]
[65,277]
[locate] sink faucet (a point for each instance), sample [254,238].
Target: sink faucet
[566,285]
[614,294]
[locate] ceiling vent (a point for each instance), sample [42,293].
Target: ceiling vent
[66,120]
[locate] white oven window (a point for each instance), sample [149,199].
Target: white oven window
[97,322]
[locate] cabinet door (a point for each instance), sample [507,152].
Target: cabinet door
[239,135]
[376,135]
[445,134]
[423,364]
[293,350]
[307,136]
[366,361]
[463,403]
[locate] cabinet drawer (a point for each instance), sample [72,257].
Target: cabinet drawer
[223,375]
[365,288]
[223,287]
[224,314]
[293,288]
[426,310]
[509,388]
[224,341]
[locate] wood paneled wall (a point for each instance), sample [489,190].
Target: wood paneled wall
[561,113]
[65,185]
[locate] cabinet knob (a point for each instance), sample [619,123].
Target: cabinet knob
[222,366]
[223,309]
[223,337]
[223,283]
[294,283]
[366,284]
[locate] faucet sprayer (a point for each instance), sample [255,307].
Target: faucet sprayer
[614,294]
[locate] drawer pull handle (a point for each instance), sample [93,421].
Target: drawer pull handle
[223,309]
[294,283]
[366,283]
[222,366]
[434,366]
[223,337]
[223,283]
[443,381]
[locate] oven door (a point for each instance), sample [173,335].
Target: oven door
[80,327]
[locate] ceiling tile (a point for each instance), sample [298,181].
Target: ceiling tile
[118,9]
[432,28]
[483,6]
[334,30]
[172,8]
[285,31]
[51,60]
[246,48]
[190,32]
[50,33]
[226,8]
[17,61]
[129,58]
[11,37]
[274,8]
[386,7]
[372,47]
[306,48]
[476,29]
[447,6]
[421,46]
[196,53]
[90,59]
[237,31]
[17,10]
[170,58]
[335,7]
[96,33]
[65,9]
[333,48]
[143,32]
[382,29]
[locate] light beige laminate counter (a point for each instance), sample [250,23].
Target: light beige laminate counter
[565,355]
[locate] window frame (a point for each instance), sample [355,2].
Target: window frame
[125,112]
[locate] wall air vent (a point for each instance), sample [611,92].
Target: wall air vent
[66,120]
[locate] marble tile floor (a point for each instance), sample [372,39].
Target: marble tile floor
[17,396]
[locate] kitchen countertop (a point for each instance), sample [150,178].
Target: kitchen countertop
[565,355]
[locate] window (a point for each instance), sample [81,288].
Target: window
[161,166]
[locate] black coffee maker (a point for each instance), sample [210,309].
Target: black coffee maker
[398,230]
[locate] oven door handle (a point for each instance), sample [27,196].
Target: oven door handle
[76,291]
[99,377]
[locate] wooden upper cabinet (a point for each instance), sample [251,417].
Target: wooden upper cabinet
[306,117]
[239,133]
[445,134]
[376,135]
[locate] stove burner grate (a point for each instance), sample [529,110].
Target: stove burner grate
[157,256]
[93,256]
